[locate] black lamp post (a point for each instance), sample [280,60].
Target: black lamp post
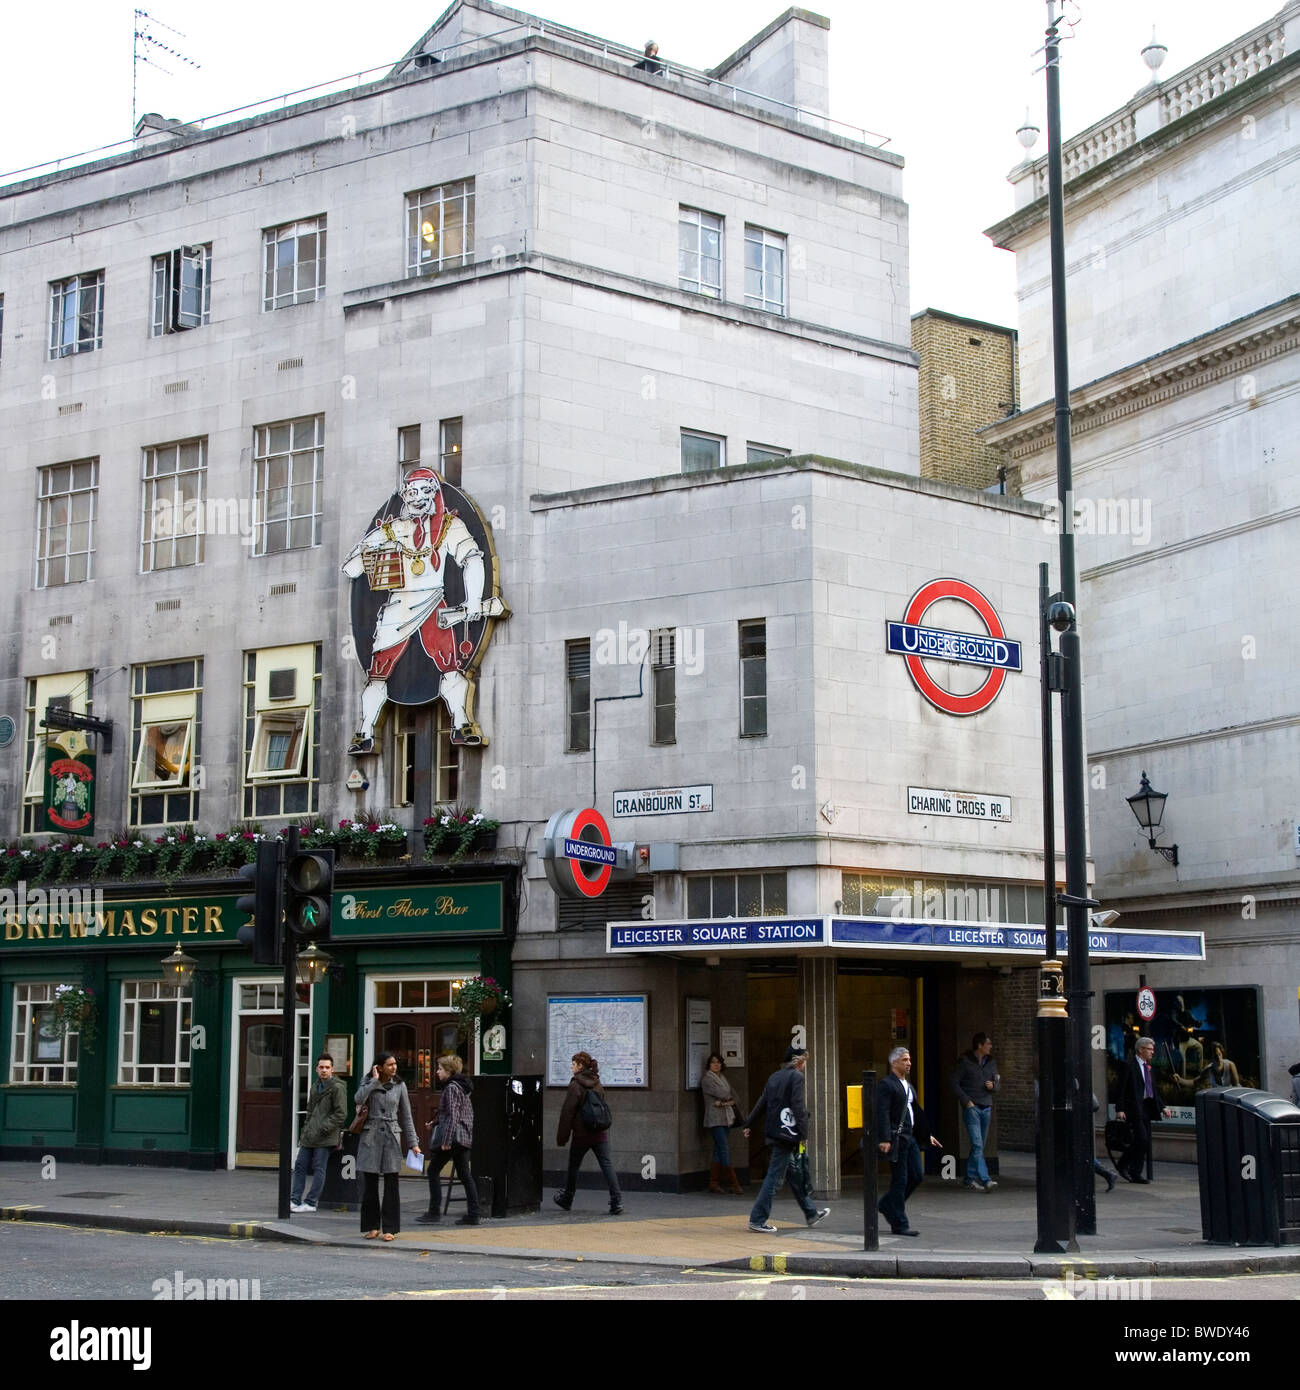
[1148,806]
[1073,775]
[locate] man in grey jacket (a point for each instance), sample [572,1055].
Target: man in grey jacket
[327,1108]
[974,1080]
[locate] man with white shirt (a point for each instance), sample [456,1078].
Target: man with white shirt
[1139,1104]
[899,1119]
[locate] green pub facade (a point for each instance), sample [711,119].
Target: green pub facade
[154,1069]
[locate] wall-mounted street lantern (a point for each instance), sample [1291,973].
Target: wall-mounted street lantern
[178,967]
[1149,808]
[313,965]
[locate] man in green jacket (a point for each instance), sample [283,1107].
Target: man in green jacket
[327,1108]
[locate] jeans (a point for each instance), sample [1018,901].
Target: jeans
[576,1154]
[721,1148]
[778,1167]
[458,1157]
[315,1160]
[977,1126]
[905,1176]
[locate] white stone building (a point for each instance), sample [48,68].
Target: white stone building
[1182,270]
[655,326]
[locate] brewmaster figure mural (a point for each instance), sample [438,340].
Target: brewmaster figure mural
[421,572]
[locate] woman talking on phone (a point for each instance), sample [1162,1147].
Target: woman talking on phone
[388,1133]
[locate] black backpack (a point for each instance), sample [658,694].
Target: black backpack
[595,1113]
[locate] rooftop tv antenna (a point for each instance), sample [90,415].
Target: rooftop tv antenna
[144,45]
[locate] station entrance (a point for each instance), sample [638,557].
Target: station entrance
[852,1016]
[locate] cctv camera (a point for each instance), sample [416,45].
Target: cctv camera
[1061,616]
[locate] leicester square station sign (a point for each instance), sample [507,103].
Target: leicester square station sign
[917,644]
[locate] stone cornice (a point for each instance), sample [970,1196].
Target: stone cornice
[1227,351]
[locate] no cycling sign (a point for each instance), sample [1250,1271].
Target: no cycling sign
[918,644]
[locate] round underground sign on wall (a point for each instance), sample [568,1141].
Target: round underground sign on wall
[578,853]
[918,644]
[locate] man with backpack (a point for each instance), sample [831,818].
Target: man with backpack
[786,1129]
[585,1116]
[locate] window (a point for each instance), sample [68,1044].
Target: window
[699,252]
[440,227]
[753,678]
[949,899]
[577,665]
[288,483]
[663,678]
[449,437]
[295,263]
[736,895]
[408,451]
[172,523]
[446,756]
[77,314]
[282,691]
[182,290]
[41,1055]
[155,1042]
[702,452]
[69,691]
[166,710]
[65,525]
[764,270]
[764,453]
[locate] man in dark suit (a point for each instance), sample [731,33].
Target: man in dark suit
[898,1121]
[1139,1104]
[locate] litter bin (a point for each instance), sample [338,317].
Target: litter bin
[1248,1165]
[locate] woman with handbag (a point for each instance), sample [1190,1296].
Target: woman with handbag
[719,1115]
[388,1131]
[451,1138]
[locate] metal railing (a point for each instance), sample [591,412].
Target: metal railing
[478,43]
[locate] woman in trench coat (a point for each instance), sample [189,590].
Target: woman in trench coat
[389,1132]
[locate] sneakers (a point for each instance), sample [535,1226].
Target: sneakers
[430,1218]
[764,1228]
[990,1185]
[300,1207]
[561,1201]
[616,1208]
[819,1215]
[469,1219]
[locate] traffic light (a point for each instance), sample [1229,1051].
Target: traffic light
[265,933]
[308,885]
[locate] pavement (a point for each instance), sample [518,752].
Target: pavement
[1143,1232]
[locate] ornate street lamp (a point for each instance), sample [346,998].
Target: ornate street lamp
[178,967]
[313,965]
[1148,806]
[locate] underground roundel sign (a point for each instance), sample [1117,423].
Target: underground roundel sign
[578,853]
[918,644]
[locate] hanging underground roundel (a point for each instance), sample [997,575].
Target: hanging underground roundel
[424,600]
[991,648]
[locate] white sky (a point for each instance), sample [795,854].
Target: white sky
[948,81]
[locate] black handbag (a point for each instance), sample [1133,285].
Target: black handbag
[1119,1136]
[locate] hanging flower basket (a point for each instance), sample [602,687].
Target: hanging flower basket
[479,998]
[75,1010]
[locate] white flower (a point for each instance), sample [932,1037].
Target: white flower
[171,839]
[24,852]
[138,844]
[77,849]
[476,817]
[446,820]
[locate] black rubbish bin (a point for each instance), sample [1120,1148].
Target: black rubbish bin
[507,1150]
[1248,1165]
[338,1190]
